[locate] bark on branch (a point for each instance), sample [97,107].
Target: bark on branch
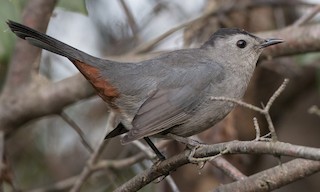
[275,177]
[36,15]
[298,40]
[233,147]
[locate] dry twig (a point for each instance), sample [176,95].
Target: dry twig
[78,130]
[131,21]
[93,159]
[226,167]
[264,111]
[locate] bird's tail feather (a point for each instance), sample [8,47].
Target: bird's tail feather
[46,42]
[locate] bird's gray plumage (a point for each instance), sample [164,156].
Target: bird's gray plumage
[169,93]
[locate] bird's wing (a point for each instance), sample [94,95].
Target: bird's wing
[174,101]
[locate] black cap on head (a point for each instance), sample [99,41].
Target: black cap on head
[225,32]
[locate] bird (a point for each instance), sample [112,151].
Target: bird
[170,93]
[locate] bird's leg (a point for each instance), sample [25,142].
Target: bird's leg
[193,145]
[154,148]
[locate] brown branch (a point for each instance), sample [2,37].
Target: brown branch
[308,16]
[233,147]
[22,94]
[55,96]
[226,167]
[305,39]
[275,177]
[18,109]
[36,14]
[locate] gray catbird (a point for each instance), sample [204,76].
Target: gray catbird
[170,93]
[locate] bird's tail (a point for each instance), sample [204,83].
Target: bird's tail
[88,65]
[46,42]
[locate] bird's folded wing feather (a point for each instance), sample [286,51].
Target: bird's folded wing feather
[173,102]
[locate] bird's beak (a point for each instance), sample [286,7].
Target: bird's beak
[269,42]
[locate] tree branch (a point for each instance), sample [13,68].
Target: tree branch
[17,109]
[226,167]
[36,15]
[77,129]
[305,39]
[275,177]
[233,147]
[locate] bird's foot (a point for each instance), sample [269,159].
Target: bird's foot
[193,145]
[265,137]
[156,150]
[201,161]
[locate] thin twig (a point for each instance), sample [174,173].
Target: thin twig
[272,130]
[103,164]
[118,164]
[307,17]
[257,128]
[59,186]
[150,44]
[88,169]
[131,21]
[222,164]
[239,102]
[78,130]
[264,110]
[276,94]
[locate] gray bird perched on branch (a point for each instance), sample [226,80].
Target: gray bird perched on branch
[170,93]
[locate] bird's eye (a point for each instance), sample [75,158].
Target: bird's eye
[241,44]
